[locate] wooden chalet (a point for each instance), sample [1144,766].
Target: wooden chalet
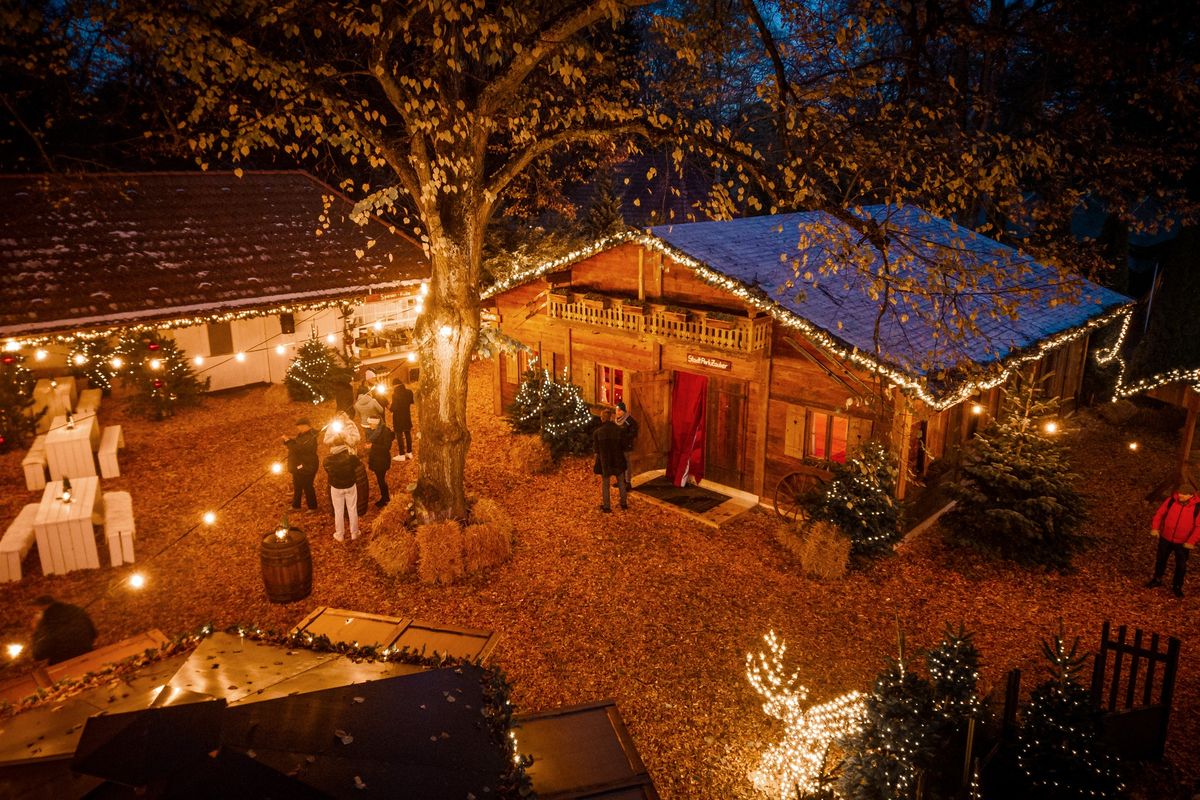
[240,269]
[795,364]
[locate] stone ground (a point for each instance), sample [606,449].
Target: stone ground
[645,607]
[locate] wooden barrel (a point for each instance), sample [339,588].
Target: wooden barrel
[286,566]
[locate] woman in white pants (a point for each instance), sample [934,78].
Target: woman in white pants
[342,468]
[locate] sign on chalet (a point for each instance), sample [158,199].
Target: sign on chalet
[241,270]
[774,321]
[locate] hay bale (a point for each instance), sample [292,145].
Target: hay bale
[790,537]
[395,552]
[531,455]
[440,547]
[488,511]
[824,551]
[484,545]
[1117,413]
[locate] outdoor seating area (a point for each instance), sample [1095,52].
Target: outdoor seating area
[65,463]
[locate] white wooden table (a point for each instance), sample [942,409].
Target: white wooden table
[57,399]
[66,538]
[69,450]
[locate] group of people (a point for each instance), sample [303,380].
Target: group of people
[367,410]
[613,441]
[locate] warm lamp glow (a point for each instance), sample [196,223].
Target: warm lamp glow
[976,409]
[240,357]
[411,357]
[117,362]
[424,289]
[1050,427]
[1133,446]
[276,468]
[210,517]
[53,384]
[80,359]
[156,363]
[198,361]
[378,325]
[40,354]
[14,649]
[12,346]
[446,331]
[330,338]
[137,580]
[281,534]
[336,425]
[380,390]
[280,349]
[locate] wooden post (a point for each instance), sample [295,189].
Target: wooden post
[1192,403]
[760,444]
[641,273]
[904,444]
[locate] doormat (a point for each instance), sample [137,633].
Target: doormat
[692,498]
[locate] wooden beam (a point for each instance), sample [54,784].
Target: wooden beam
[641,273]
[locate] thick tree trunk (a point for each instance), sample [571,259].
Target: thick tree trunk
[446,332]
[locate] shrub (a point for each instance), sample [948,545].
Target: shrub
[161,373]
[440,546]
[395,551]
[1016,494]
[18,423]
[485,545]
[555,410]
[824,551]
[532,455]
[860,498]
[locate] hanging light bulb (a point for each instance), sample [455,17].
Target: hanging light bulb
[137,581]
[14,649]
[380,389]
[330,338]
[276,468]
[117,362]
[40,354]
[280,349]
[240,357]
[198,361]
[210,517]
[378,325]
[411,357]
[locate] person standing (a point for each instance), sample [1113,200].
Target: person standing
[61,630]
[343,396]
[402,402]
[1175,526]
[610,459]
[366,407]
[379,459]
[629,431]
[342,467]
[303,463]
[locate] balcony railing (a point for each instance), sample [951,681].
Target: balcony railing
[742,334]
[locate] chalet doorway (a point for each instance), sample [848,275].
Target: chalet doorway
[689,431]
[650,404]
[725,431]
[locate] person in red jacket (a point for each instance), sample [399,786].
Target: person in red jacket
[1177,529]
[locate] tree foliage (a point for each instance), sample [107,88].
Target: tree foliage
[860,498]
[554,408]
[314,372]
[1016,493]
[18,423]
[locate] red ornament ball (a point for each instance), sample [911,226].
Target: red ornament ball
[9,359]
[154,346]
[157,383]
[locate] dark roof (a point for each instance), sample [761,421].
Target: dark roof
[798,261]
[100,250]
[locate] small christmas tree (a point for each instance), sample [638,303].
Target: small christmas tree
[954,671]
[18,423]
[1059,750]
[555,409]
[1016,492]
[160,372]
[860,498]
[603,216]
[93,359]
[315,371]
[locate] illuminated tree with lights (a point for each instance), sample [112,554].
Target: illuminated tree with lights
[315,371]
[92,358]
[160,372]
[18,423]
[433,114]
[1059,747]
[553,408]
[860,498]
[1016,494]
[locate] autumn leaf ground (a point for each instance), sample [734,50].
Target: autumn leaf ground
[644,607]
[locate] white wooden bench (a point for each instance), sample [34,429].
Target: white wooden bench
[16,543]
[110,440]
[34,465]
[119,529]
[89,401]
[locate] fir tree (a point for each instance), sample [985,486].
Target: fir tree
[93,359]
[603,216]
[860,498]
[555,409]
[160,372]
[315,371]
[1016,492]
[1059,747]
[954,671]
[18,423]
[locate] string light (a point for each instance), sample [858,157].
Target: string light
[239,357]
[378,325]
[137,581]
[156,363]
[12,346]
[80,360]
[198,361]
[381,390]
[14,649]
[1051,427]
[914,385]
[411,357]
[976,409]
[330,338]
[40,354]
[1133,446]
[210,517]
[117,362]
[276,468]
[280,350]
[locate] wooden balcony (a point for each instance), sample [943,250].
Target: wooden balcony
[742,334]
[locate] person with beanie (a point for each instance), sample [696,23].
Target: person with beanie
[61,630]
[342,467]
[303,463]
[1177,530]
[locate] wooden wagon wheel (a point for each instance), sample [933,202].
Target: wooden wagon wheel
[791,492]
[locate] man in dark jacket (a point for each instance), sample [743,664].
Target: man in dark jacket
[402,401]
[379,459]
[629,431]
[610,459]
[303,463]
[343,396]
[61,630]
[342,467]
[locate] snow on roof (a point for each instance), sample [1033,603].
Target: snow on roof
[86,251]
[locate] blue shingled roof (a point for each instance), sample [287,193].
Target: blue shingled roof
[817,268]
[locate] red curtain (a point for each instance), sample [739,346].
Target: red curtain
[688,403]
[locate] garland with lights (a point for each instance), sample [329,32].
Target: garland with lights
[497,707]
[1016,494]
[555,410]
[1122,389]
[859,498]
[311,377]
[18,423]
[159,370]
[1059,747]
[914,385]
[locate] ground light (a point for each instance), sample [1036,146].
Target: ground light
[1133,446]
[276,468]
[1050,427]
[198,361]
